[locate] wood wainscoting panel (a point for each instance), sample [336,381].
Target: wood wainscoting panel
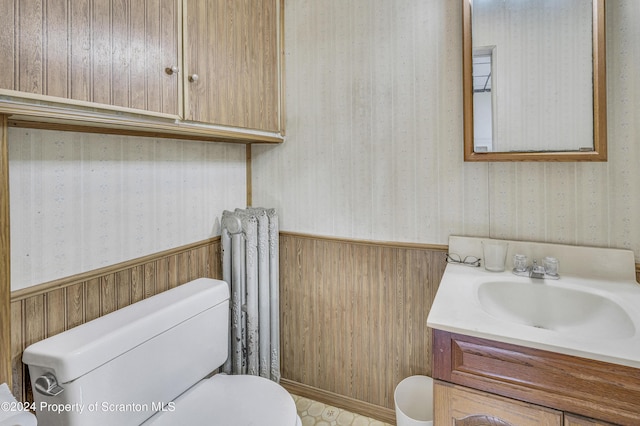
[45,310]
[354,314]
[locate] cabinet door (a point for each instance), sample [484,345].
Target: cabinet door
[112,52]
[231,63]
[459,406]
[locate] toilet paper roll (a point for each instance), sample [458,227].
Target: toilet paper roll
[10,413]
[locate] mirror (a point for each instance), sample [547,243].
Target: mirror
[534,80]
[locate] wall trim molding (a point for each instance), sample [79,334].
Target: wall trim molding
[383,414]
[393,244]
[5,259]
[43,288]
[249,174]
[47,309]
[84,276]
[396,244]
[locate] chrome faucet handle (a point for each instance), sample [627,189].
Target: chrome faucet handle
[550,266]
[540,272]
[47,384]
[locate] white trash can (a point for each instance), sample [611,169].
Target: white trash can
[414,401]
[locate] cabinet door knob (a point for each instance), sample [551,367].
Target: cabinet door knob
[193,78]
[172,70]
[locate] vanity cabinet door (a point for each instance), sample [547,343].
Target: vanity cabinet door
[231,63]
[459,406]
[112,52]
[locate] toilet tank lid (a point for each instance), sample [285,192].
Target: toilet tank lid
[77,351]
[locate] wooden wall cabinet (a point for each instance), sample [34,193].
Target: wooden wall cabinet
[192,69]
[231,63]
[586,392]
[110,52]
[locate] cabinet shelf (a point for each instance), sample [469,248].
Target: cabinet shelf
[91,119]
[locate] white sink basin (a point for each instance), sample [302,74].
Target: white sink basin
[592,311]
[547,306]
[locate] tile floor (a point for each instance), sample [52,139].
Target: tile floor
[315,413]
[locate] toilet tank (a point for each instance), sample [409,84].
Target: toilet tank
[123,367]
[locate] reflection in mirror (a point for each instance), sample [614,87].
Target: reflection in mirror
[483,108]
[534,80]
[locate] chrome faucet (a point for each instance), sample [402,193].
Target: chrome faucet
[536,271]
[540,271]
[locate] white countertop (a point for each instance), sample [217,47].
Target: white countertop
[608,273]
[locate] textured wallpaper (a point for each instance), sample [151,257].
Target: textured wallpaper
[374,145]
[84,201]
[374,125]
[373,151]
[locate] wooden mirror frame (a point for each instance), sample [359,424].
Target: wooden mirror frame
[599,99]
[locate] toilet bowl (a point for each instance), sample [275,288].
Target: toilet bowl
[24,418]
[151,363]
[231,400]
[12,412]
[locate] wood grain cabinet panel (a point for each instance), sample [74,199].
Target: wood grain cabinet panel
[110,52]
[572,420]
[232,63]
[205,70]
[589,388]
[459,406]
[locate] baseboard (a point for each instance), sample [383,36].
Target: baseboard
[355,406]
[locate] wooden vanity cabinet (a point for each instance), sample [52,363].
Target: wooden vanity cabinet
[587,392]
[108,52]
[461,406]
[232,55]
[573,420]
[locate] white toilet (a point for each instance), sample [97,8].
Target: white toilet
[150,363]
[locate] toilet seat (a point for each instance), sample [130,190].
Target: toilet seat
[230,401]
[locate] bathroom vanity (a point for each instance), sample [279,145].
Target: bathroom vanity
[521,385]
[565,353]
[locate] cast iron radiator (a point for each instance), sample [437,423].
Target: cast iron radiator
[250,267]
